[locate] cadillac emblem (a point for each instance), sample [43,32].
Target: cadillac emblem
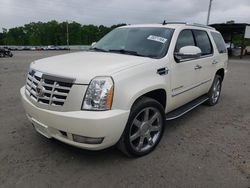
[40,89]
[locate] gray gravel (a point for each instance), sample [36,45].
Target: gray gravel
[208,147]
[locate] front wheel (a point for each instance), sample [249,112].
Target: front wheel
[215,91]
[144,128]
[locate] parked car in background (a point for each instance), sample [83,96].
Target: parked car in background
[123,89]
[5,52]
[15,48]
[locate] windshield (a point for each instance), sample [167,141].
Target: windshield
[141,41]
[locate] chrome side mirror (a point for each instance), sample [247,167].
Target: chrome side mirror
[93,44]
[188,52]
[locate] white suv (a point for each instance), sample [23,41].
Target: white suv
[122,90]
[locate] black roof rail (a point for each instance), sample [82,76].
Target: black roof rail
[165,22]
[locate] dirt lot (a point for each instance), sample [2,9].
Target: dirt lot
[208,147]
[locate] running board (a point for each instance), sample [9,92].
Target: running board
[185,108]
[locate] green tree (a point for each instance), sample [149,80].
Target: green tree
[54,33]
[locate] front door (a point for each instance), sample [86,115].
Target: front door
[185,75]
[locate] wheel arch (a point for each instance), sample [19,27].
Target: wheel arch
[158,94]
[220,72]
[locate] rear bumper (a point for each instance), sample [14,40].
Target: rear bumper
[106,124]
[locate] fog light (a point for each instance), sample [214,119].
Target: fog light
[87,140]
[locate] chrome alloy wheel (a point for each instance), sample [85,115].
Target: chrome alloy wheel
[216,91]
[146,129]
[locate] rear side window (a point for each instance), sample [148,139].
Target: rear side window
[185,38]
[219,41]
[203,42]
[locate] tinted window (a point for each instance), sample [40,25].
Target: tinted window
[219,41]
[203,42]
[185,38]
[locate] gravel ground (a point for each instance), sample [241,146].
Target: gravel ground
[208,147]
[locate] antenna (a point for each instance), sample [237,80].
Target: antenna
[164,22]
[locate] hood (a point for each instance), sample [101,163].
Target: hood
[84,66]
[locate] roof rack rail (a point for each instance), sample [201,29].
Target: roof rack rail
[200,25]
[165,22]
[191,24]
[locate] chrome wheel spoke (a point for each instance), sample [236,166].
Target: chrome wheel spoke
[150,140]
[137,123]
[216,91]
[153,118]
[135,136]
[217,84]
[139,147]
[155,128]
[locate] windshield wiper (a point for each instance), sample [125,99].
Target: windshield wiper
[129,52]
[122,51]
[98,49]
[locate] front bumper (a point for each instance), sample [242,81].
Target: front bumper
[104,124]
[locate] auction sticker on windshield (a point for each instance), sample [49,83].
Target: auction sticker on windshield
[157,39]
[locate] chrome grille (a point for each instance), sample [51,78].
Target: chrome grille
[46,89]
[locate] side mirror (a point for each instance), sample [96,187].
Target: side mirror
[93,44]
[188,52]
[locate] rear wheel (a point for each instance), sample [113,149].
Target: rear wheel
[215,91]
[144,128]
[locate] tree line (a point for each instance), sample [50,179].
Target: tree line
[54,33]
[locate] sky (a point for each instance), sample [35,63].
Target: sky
[15,13]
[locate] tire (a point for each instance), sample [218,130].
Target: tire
[215,91]
[144,128]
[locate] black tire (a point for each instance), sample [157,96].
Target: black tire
[153,136]
[212,92]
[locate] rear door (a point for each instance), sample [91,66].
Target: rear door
[221,58]
[206,72]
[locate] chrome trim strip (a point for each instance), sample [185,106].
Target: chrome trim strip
[58,79]
[52,76]
[174,95]
[192,59]
[177,88]
[187,110]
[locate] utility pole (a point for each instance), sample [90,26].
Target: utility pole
[209,10]
[67,28]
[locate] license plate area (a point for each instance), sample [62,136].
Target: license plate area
[42,129]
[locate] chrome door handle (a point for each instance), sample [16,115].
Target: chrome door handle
[197,67]
[215,62]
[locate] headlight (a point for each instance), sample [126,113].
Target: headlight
[99,94]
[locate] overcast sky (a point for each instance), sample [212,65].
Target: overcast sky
[108,12]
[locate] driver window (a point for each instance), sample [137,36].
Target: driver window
[185,38]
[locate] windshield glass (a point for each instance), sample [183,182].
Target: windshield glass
[141,41]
